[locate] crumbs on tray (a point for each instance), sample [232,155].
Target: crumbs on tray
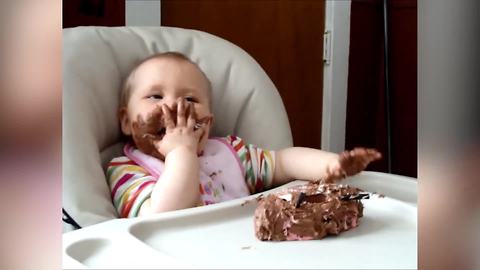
[251,200]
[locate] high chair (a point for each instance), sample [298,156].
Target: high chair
[97,59]
[245,103]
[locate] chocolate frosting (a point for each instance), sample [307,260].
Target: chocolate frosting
[307,212]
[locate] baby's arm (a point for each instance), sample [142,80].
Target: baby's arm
[312,164]
[177,187]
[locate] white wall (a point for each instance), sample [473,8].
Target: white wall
[142,12]
[335,76]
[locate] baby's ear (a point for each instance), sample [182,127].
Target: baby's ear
[124,121]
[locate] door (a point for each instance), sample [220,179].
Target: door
[93,12]
[366,112]
[286,39]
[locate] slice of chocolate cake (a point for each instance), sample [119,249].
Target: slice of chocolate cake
[310,211]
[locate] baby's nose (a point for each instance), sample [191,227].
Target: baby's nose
[171,103]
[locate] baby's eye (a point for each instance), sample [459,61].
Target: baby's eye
[155,97]
[191,99]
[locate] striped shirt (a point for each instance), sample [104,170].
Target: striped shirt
[131,185]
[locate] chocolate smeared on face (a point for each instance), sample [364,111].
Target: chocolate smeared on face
[147,131]
[152,129]
[307,212]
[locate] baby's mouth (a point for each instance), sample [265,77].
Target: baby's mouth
[198,125]
[155,135]
[161,132]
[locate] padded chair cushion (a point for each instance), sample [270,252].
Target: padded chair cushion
[95,62]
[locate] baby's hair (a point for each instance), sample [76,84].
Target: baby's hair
[128,82]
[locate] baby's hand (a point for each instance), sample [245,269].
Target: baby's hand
[350,163]
[179,133]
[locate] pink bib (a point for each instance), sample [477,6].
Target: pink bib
[222,176]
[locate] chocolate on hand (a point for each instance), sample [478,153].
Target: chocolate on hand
[146,132]
[351,163]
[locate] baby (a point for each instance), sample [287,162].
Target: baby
[171,162]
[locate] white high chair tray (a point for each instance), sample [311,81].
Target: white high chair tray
[222,236]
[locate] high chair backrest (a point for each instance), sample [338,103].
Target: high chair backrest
[95,62]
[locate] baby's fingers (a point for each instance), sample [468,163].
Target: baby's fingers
[374,154]
[191,117]
[358,152]
[365,154]
[181,121]
[169,123]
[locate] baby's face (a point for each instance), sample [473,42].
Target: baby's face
[164,81]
